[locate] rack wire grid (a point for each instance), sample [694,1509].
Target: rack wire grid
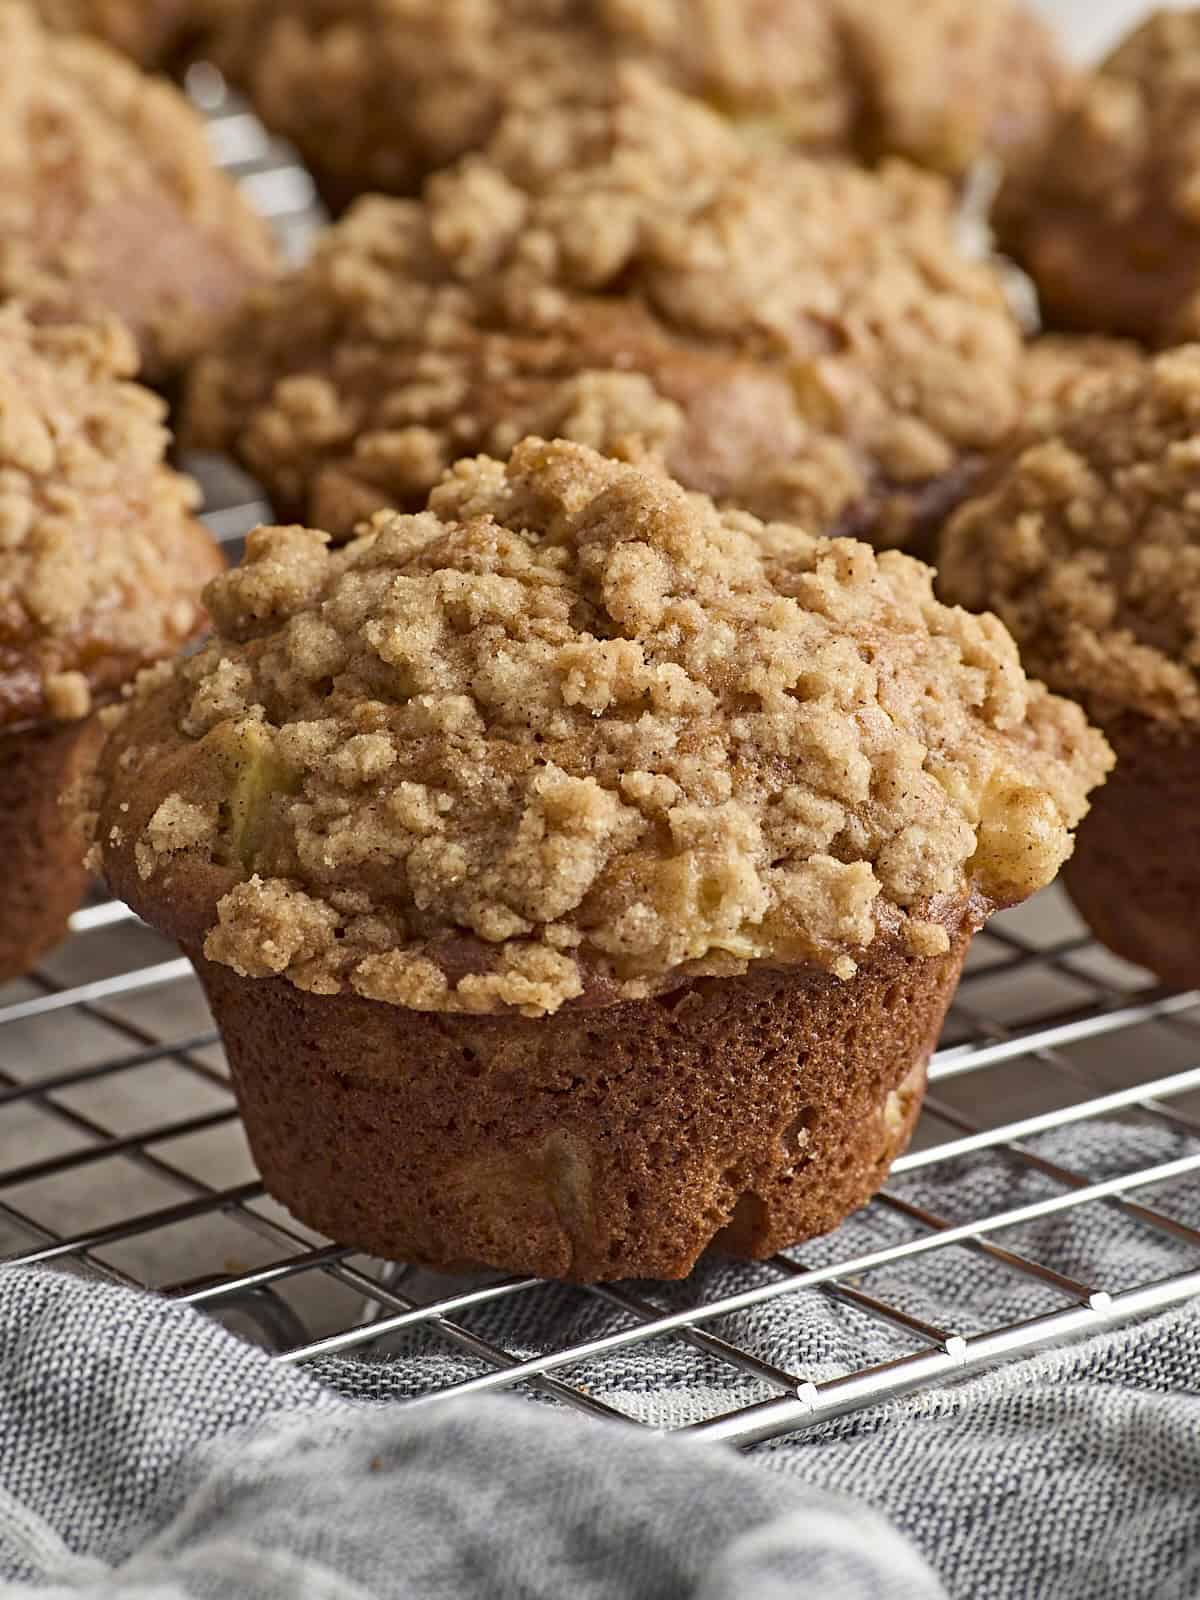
[121,1153]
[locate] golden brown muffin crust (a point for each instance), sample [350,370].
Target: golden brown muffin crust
[1088,547]
[572,727]
[103,562]
[746,1114]
[1108,224]
[799,338]
[109,201]
[379,95]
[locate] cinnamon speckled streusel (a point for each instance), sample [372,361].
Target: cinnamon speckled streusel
[572,731]
[101,560]
[109,201]
[1088,547]
[798,338]
[1108,222]
[378,95]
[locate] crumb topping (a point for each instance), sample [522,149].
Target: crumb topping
[799,338]
[571,726]
[1062,371]
[1108,222]
[1088,546]
[380,95]
[109,201]
[102,560]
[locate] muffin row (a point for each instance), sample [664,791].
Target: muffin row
[579,841]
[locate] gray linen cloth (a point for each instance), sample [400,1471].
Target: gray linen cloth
[145,1452]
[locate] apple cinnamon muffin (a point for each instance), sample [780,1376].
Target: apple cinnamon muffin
[109,201]
[151,31]
[101,574]
[1108,222]
[377,96]
[580,874]
[799,338]
[1088,548]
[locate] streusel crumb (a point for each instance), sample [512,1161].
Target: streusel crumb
[109,200]
[1088,547]
[802,339]
[1108,223]
[379,95]
[1061,372]
[571,726]
[102,560]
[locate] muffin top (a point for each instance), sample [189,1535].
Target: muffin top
[1087,544]
[147,30]
[379,95]
[799,338]
[109,202]
[1059,371]
[573,734]
[103,562]
[1108,222]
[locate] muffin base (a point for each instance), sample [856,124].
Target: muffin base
[1135,874]
[744,1114]
[44,877]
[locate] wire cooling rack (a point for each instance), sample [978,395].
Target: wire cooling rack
[121,1154]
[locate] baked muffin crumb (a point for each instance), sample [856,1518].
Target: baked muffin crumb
[571,733]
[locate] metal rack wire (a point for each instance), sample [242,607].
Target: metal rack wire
[121,1153]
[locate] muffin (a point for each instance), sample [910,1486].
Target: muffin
[1088,547]
[1108,223]
[151,31]
[109,202]
[579,874]
[102,570]
[1060,371]
[378,96]
[802,339]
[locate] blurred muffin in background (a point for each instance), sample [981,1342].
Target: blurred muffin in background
[1061,371]
[799,338]
[1108,223]
[109,201]
[101,574]
[151,31]
[1087,546]
[378,95]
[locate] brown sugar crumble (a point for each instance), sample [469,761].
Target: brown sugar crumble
[802,339]
[102,560]
[378,96]
[1087,545]
[109,200]
[1108,222]
[572,734]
